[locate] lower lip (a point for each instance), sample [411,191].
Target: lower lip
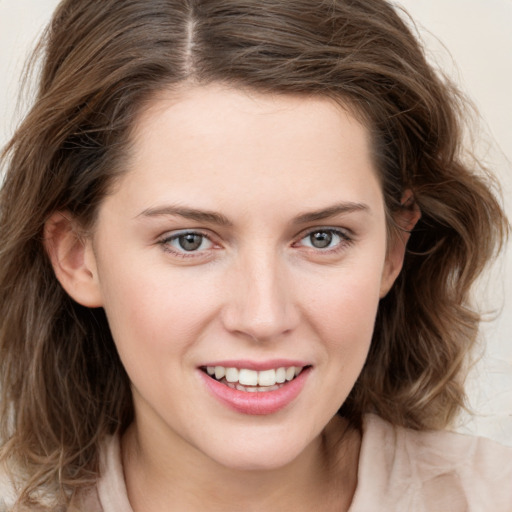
[259,402]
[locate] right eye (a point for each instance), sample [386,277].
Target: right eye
[185,242]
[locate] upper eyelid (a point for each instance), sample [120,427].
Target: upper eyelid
[169,236]
[344,232]
[346,239]
[165,240]
[175,233]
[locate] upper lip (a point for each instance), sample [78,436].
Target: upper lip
[256,365]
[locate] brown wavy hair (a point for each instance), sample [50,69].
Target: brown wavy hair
[63,386]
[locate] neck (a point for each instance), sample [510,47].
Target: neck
[325,472]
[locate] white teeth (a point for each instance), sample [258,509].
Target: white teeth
[267,378]
[280,375]
[232,374]
[262,380]
[220,371]
[248,377]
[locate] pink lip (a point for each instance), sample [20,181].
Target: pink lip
[257,365]
[258,403]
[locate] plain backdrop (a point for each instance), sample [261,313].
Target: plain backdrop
[471,41]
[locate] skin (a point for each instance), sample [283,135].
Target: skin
[256,289]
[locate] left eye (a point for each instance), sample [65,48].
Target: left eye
[323,239]
[189,242]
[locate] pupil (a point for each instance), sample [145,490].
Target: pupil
[321,239]
[190,241]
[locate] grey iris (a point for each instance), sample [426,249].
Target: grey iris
[321,239]
[190,241]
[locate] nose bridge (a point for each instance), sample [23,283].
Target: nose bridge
[261,304]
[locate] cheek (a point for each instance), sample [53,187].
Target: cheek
[346,302]
[151,313]
[343,318]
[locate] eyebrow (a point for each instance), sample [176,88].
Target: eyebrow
[212,217]
[188,213]
[331,211]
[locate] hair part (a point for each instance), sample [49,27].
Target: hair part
[63,386]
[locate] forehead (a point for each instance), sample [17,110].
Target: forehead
[221,114]
[218,141]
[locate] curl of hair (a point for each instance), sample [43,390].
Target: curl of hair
[63,386]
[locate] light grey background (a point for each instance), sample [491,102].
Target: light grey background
[471,40]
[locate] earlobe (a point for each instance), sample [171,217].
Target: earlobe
[404,220]
[72,259]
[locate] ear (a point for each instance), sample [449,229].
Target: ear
[72,258]
[405,220]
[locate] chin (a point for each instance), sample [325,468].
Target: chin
[258,453]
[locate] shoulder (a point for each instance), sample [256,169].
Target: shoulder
[439,450]
[433,470]
[108,495]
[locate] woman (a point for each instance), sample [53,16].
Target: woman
[238,241]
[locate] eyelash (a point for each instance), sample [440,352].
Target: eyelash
[166,241]
[345,240]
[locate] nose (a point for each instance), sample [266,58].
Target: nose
[260,304]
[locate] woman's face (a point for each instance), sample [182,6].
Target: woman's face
[247,239]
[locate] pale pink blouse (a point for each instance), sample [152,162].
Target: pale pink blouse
[400,470]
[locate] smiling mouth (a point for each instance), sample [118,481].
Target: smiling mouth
[253,381]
